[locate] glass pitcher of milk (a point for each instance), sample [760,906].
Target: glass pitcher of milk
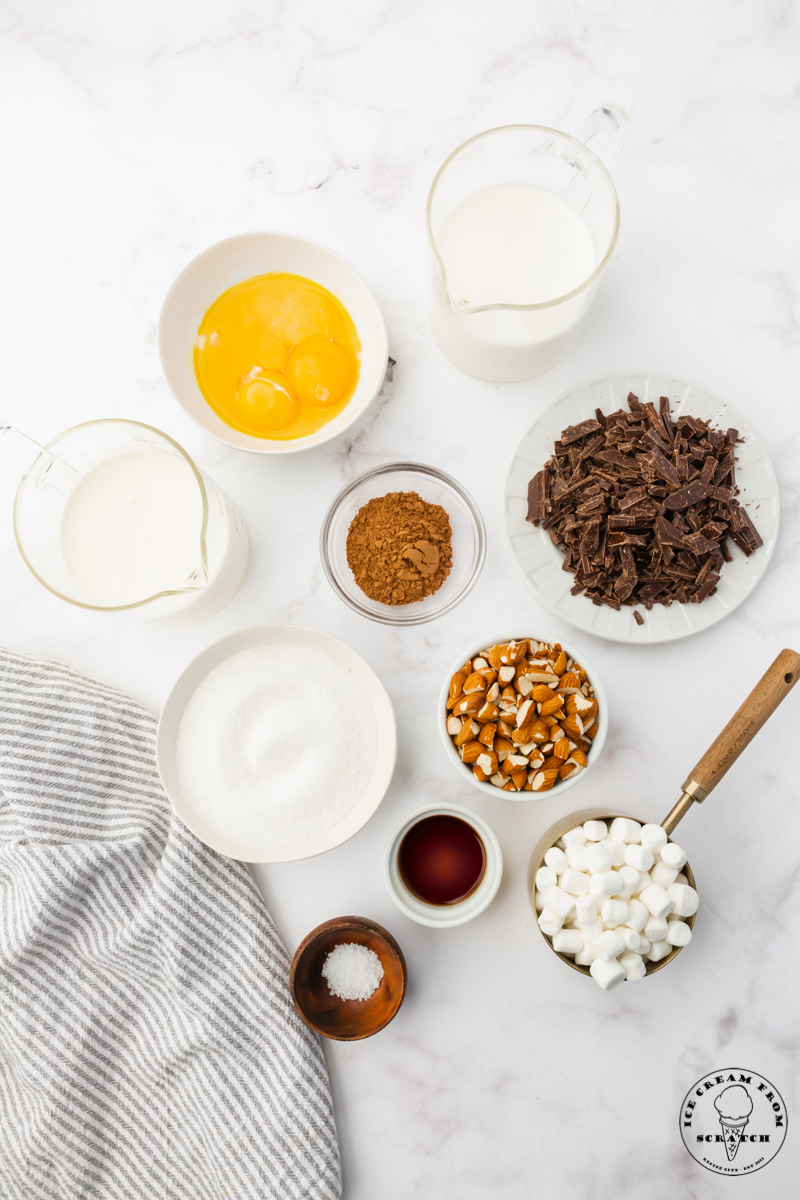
[522,221]
[114,516]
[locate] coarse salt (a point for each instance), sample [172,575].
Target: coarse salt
[353,971]
[276,746]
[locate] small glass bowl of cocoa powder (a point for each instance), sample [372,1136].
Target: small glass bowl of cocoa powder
[416,517]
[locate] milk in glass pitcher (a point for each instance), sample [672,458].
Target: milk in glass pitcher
[522,221]
[114,516]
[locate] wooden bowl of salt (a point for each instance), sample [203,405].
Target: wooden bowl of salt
[348,978]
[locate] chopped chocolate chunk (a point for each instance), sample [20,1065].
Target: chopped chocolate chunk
[701,545]
[692,494]
[663,468]
[654,438]
[667,532]
[707,589]
[573,433]
[638,507]
[742,542]
[747,527]
[537,496]
[638,618]
[617,459]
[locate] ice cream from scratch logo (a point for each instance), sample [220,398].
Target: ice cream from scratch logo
[733,1122]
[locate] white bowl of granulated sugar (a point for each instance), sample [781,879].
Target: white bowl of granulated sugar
[276,743]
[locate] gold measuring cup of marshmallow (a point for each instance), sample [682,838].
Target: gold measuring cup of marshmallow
[769,692]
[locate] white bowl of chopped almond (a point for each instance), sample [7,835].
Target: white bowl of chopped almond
[523,717]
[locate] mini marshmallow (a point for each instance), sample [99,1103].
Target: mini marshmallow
[659,950]
[645,946]
[607,972]
[681,878]
[633,941]
[633,966]
[656,929]
[586,956]
[568,941]
[575,882]
[574,837]
[614,912]
[605,884]
[549,922]
[616,851]
[597,858]
[644,882]
[639,857]
[657,900]
[623,829]
[538,900]
[654,838]
[684,900]
[630,882]
[592,931]
[678,933]
[608,944]
[576,857]
[638,916]
[556,860]
[595,830]
[585,910]
[546,880]
[673,855]
[663,874]
[561,903]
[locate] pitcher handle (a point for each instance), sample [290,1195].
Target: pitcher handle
[18,435]
[604,132]
[54,471]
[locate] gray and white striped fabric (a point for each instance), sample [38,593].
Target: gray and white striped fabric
[148,1043]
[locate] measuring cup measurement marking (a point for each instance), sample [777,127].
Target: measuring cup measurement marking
[743,737]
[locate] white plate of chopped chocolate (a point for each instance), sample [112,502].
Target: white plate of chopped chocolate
[641,508]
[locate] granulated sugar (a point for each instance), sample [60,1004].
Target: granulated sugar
[276,746]
[353,972]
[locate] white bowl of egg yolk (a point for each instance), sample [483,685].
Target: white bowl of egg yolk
[272,343]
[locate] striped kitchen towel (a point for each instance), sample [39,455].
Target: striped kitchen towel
[148,1043]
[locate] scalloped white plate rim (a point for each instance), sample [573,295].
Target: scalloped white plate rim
[754,469]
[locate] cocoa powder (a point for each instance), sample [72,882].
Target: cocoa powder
[399,548]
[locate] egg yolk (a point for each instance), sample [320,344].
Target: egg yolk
[320,371]
[277,356]
[266,404]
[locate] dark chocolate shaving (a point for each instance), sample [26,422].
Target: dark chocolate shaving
[690,495]
[642,506]
[574,433]
[537,496]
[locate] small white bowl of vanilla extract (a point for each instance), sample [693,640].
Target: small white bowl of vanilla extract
[443,865]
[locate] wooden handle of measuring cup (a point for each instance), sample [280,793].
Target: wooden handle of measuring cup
[773,687]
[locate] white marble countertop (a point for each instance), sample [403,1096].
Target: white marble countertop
[137,135]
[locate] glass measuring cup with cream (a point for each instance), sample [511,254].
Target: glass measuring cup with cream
[114,516]
[522,220]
